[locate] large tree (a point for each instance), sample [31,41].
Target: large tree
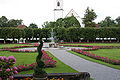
[71,22]
[118,21]
[14,23]
[63,22]
[33,25]
[3,21]
[89,17]
[107,22]
[49,24]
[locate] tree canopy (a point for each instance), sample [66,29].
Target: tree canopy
[62,22]
[4,22]
[107,22]
[89,17]
[33,25]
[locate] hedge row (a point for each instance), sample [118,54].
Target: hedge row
[66,34]
[27,33]
[87,34]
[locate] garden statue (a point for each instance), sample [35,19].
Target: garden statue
[39,73]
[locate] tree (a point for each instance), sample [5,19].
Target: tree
[28,33]
[5,33]
[3,21]
[71,22]
[14,23]
[89,17]
[49,24]
[62,22]
[37,33]
[107,22]
[60,33]
[72,34]
[15,33]
[33,25]
[45,33]
[117,21]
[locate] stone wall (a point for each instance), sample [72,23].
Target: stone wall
[60,76]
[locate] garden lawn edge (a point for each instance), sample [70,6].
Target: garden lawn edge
[96,61]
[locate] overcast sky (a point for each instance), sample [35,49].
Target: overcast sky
[39,11]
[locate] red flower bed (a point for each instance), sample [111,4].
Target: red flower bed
[93,47]
[48,61]
[83,52]
[19,47]
[12,49]
[105,59]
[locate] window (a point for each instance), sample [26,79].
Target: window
[58,3]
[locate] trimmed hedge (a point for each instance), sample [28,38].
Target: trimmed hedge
[73,34]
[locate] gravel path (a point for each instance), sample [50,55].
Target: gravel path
[97,71]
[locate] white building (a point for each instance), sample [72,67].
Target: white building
[58,12]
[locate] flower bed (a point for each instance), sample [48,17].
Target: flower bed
[48,61]
[109,47]
[19,47]
[77,46]
[18,50]
[100,47]
[105,59]
[12,49]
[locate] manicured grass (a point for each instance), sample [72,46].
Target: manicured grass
[60,67]
[95,44]
[110,53]
[94,60]
[12,45]
[22,58]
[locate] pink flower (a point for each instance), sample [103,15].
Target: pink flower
[0,69]
[8,70]
[0,78]
[15,68]
[10,77]
[15,72]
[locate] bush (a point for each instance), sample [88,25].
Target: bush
[6,67]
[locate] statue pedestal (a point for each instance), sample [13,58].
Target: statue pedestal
[50,45]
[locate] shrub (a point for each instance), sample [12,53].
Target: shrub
[6,67]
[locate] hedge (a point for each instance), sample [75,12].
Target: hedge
[72,34]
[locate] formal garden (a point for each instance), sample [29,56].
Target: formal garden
[99,45]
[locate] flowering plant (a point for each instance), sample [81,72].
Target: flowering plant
[6,67]
[48,61]
[102,58]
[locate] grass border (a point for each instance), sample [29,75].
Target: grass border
[96,61]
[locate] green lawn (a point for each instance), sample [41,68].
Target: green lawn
[22,58]
[95,44]
[28,58]
[12,45]
[94,60]
[111,53]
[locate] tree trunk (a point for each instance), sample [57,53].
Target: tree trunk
[4,40]
[13,40]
